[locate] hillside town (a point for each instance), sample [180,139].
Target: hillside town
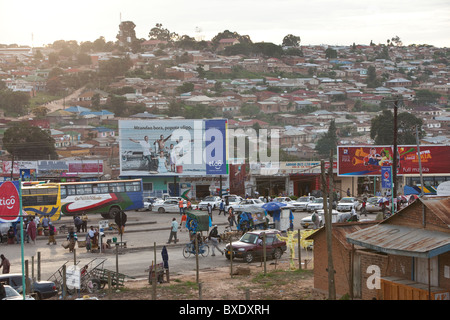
[81,91]
[94,129]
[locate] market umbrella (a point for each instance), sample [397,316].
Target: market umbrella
[273,206]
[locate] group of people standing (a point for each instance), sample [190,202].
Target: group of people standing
[31,225]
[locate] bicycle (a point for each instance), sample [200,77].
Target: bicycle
[189,249]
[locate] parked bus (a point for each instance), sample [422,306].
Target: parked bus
[105,197]
[42,199]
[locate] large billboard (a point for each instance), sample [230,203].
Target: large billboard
[368,160]
[173,147]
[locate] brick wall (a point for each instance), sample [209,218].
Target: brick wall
[341,263]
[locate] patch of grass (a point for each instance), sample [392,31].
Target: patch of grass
[188,289]
[280,277]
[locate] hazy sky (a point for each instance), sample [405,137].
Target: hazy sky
[331,22]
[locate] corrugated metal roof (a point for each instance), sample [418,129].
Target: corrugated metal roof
[401,240]
[440,207]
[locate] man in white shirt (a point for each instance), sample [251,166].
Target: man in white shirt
[173,231]
[145,148]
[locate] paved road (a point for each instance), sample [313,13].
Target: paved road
[143,231]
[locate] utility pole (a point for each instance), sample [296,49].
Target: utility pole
[328,222]
[394,160]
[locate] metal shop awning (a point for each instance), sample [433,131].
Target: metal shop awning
[401,240]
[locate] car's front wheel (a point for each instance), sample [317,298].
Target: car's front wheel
[249,257]
[161,210]
[277,253]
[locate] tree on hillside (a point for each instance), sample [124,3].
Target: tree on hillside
[163,34]
[26,142]
[227,34]
[291,41]
[14,102]
[382,128]
[327,142]
[371,80]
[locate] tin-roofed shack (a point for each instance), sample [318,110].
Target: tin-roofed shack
[405,257]
[411,250]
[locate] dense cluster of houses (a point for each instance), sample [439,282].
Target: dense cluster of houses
[310,90]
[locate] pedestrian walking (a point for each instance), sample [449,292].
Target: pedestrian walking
[316,220]
[121,220]
[51,233]
[181,206]
[209,208]
[5,264]
[173,231]
[363,207]
[72,238]
[31,230]
[11,235]
[214,238]
[84,219]
[231,217]
[222,207]
[77,222]
[183,222]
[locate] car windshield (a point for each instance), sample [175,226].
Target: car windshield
[318,200]
[209,199]
[232,199]
[249,238]
[258,201]
[349,200]
[303,199]
[373,200]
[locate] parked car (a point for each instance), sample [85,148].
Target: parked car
[307,222]
[316,204]
[250,246]
[232,199]
[347,203]
[213,200]
[12,294]
[302,202]
[286,200]
[372,205]
[245,203]
[149,202]
[170,205]
[42,289]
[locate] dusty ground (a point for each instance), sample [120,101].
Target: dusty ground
[277,284]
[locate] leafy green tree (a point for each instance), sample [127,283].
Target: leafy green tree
[328,141]
[372,80]
[185,87]
[330,53]
[382,128]
[291,41]
[26,142]
[227,34]
[14,102]
[163,34]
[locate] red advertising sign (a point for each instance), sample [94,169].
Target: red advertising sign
[368,160]
[9,202]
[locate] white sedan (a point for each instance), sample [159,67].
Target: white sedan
[316,204]
[347,204]
[170,205]
[213,200]
[246,203]
[302,202]
[12,294]
[286,200]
